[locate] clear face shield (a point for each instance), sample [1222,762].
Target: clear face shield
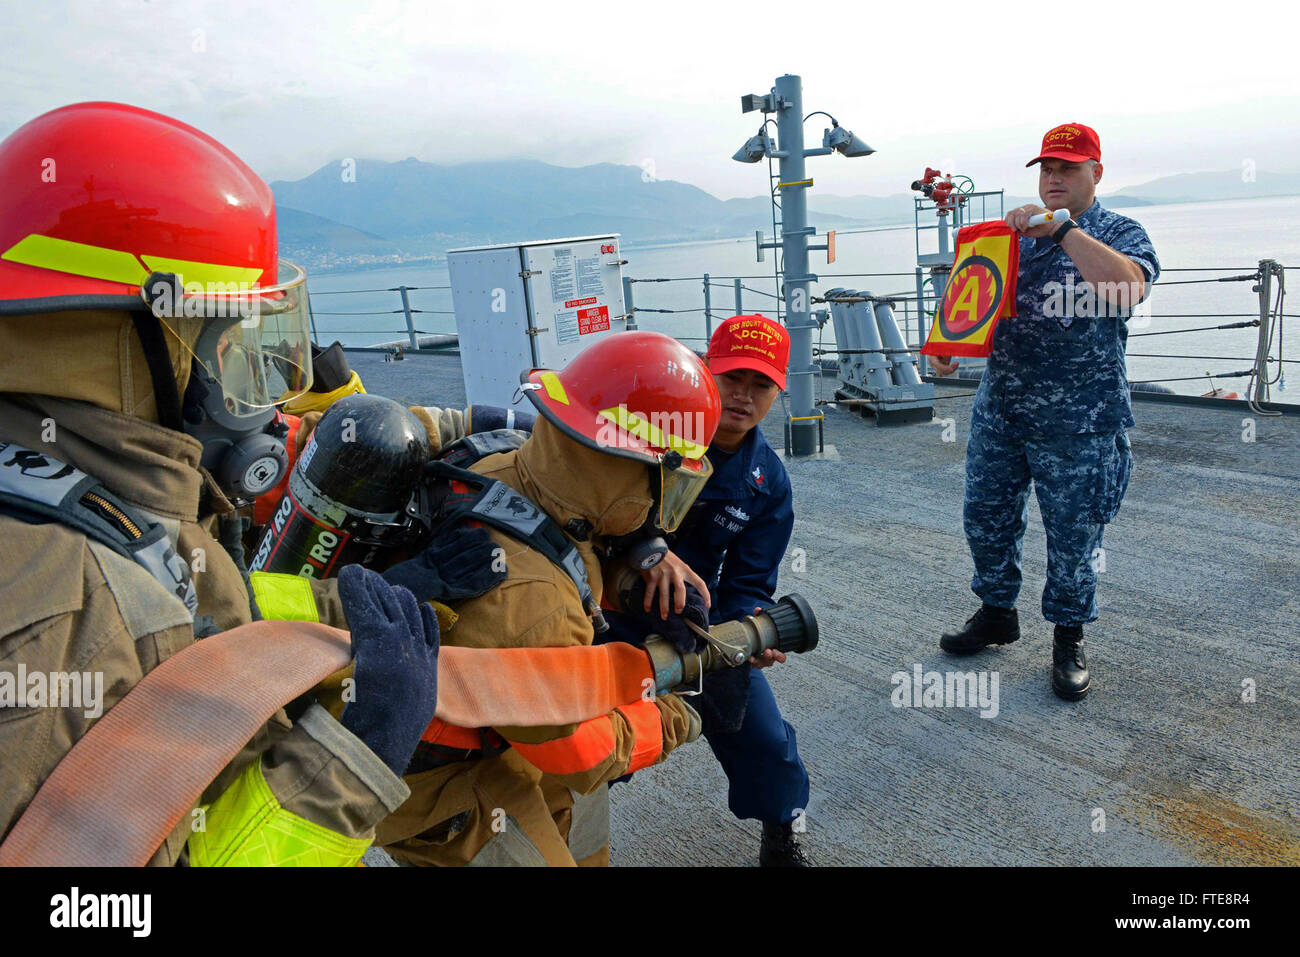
[256,340]
[680,483]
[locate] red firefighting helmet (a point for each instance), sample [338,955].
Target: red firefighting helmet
[109,206]
[640,395]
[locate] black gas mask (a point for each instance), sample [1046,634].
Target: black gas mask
[674,485]
[243,448]
[253,353]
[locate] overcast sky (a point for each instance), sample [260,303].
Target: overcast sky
[290,86]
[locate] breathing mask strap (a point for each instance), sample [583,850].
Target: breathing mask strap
[165,393]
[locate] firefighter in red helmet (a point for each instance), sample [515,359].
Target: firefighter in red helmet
[617,454]
[149,332]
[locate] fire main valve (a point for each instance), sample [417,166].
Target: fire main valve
[940,189]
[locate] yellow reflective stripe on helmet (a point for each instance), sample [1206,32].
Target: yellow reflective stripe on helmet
[79,259]
[554,387]
[634,424]
[247,827]
[118,265]
[283,597]
[206,274]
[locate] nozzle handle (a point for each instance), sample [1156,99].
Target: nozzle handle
[795,624]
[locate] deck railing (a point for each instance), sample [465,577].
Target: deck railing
[1261,360]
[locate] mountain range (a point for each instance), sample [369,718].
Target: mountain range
[371,212]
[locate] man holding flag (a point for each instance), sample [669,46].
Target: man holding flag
[1053,407]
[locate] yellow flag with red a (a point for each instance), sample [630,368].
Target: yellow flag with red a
[981,290]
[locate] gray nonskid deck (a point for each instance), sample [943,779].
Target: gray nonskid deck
[1199,594]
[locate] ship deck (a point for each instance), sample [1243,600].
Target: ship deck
[1200,598]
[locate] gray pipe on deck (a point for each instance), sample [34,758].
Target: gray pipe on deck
[846,338]
[876,365]
[904,363]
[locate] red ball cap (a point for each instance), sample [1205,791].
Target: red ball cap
[750,342]
[1072,142]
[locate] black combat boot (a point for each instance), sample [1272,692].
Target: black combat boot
[780,848]
[988,626]
[1070,678]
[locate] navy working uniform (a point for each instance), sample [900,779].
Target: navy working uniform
[735,538]
[1053,407]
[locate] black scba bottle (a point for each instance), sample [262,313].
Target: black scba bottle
[354,492]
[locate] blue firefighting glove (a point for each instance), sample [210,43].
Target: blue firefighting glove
[485,418]
[675,627]
[461,562]
[395,648]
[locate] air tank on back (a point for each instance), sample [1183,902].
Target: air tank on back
[351,492]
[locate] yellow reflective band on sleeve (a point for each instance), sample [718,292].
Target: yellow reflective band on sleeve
[283,597]
[78,259]
[633,424]
[554,387]
[247,827]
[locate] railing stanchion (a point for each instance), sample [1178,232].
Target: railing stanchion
[708,310]
[315,337]
[923,367]
[628,308]
[410,321]
[1265,290]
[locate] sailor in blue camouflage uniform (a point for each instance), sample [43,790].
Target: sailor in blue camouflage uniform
[1053,408]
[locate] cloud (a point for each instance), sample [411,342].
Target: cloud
[291,86]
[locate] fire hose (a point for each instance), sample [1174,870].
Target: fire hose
[123,787]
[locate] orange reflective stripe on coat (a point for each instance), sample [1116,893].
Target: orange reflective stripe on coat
[648,734]
[591,743]
[594,741]
[445,735]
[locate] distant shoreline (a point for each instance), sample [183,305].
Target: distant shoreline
[441,261]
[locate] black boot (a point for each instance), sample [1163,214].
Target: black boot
[1070,678]
[780,848]
[988,626]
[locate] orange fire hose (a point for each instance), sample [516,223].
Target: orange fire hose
[128,782]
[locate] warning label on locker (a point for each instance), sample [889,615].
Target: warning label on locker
[562,277]
[593,320]
[590,280]
[571,324]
